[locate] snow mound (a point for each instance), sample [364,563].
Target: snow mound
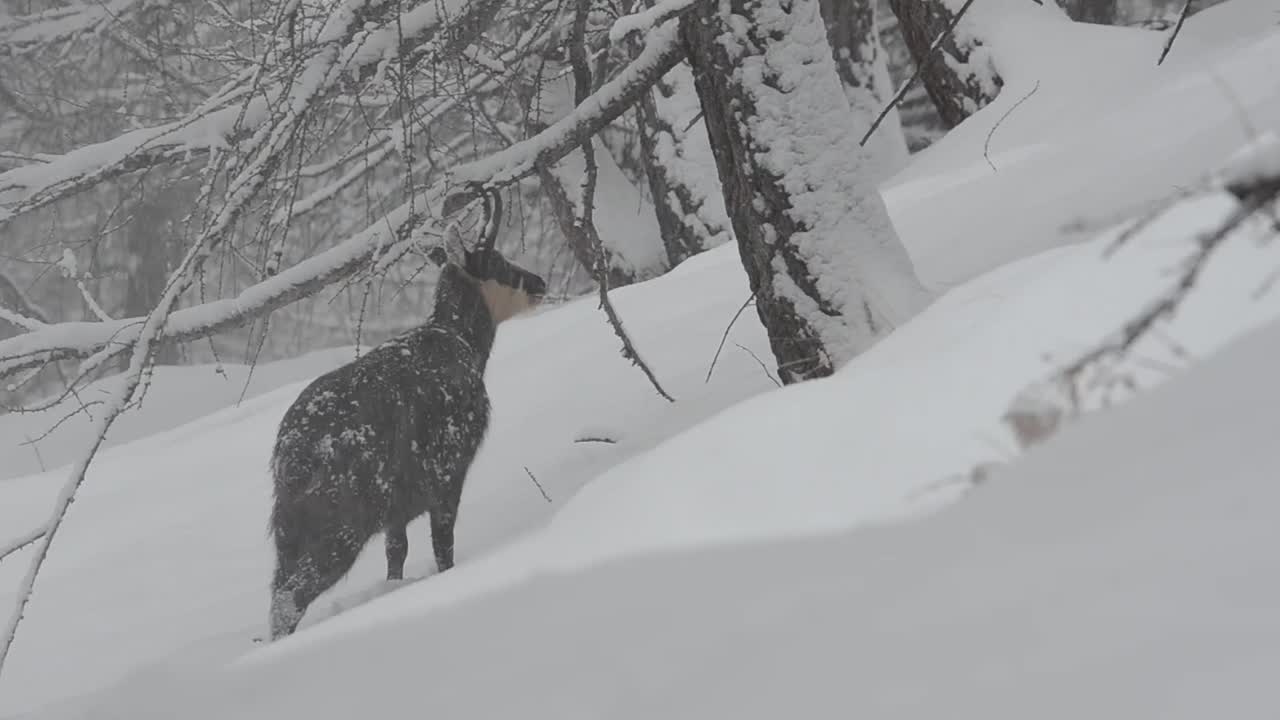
[1091,579]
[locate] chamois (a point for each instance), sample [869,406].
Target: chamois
[373,445]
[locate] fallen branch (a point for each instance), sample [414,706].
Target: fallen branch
[1038,413]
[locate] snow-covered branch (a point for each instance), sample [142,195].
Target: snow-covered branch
[26,32]
[661,53]
[386,237]
[649,18]
[358,39]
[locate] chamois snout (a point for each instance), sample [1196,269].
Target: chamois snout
[508,288]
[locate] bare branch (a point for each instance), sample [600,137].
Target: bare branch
[1182,18]
[20,542]
[586,224]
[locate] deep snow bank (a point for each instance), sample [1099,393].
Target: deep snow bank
[1124,569]
[1099,133]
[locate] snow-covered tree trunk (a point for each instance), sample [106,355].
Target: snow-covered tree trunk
[864,72]
[677,156]
[961,79]
[827,269]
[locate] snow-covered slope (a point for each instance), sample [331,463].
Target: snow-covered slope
[164,561]
[1125,569]
[165,555]
[1086,131]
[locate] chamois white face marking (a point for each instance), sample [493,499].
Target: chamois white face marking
[504,302]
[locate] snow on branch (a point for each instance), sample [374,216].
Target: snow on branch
[26,32]
[356,40]
[649,18]
[661,53]
[386,238]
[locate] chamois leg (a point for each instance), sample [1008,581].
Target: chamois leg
[298,583]
[442,537]
[397,551]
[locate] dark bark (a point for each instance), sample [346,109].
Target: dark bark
[955,95]
[1101,12]
[851,31]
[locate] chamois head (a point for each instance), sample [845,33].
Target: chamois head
[507,288]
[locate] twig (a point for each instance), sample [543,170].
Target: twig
[23,541]
[920,68]
[986,146]
[35,448]
[84,408]
[725,336]
[759,362]
[1168,44]
[605,440]
[529,472]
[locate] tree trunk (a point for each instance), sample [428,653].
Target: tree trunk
[1100,12]
[821,256]
[960,79]
[864,73]
[686,197]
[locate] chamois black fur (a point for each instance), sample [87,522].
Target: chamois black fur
[373,445]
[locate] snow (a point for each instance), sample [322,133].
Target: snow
[1088,112]
[1093,578]
[648,18]
[192,536]
[747,552]
[1254,163]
